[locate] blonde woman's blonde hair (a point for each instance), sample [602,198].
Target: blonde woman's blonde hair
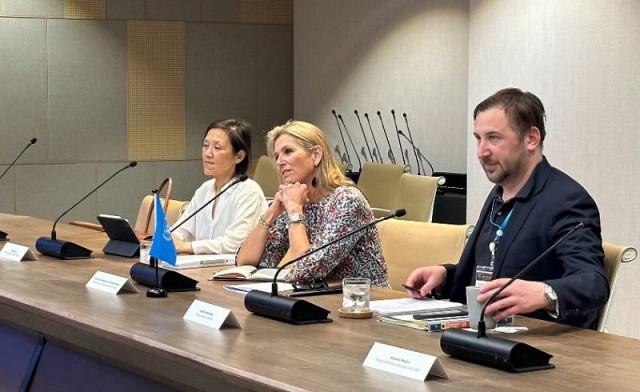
[328,175]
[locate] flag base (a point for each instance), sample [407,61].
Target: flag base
[157,293]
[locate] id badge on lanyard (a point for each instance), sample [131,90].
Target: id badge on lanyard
[484,273]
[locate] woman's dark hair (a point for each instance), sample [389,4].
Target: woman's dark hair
[239,132]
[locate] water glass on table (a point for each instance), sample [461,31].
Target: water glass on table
[356,295]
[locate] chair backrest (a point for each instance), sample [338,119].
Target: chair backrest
[379,183]
[407,245]
[266,175]
[416,194]
[614,255]
[145,223]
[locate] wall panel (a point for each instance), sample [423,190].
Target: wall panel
[61,185]
[221,77]
[23,92]
[86,90]
[370,55]
[155,90]
[274,79]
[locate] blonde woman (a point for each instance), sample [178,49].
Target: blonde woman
[315,204]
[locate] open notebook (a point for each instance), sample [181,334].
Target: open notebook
[249,272]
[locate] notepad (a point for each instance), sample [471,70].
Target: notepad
[249,272]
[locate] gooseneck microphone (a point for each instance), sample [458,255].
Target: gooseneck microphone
[497,352]
[406,121]
[65,249]
[31,142]
[294,310]
[346,149]
[364,136]
[240,179]
[375,142]
[346,130]
[3,235]
[392,158]
[393,114]
[417,151]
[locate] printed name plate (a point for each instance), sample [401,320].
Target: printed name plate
[211,316]
[403,362]
[15,252]
[109,283]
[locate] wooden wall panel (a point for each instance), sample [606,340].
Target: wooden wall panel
[155,91]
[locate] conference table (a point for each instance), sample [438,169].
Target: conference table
[149,338]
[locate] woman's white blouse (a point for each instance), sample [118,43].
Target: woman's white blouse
[236,214]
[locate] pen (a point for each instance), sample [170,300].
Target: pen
[414,290]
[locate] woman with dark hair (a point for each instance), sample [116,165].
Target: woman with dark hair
[315,204]
[224,224]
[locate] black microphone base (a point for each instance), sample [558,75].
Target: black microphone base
[60,249]
[495,352]
[157,293]
[166,279]
[290,310]
[3,236]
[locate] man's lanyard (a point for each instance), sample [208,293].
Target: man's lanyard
[501,228]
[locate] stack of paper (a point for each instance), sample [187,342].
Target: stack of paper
[387,307]
[197,261]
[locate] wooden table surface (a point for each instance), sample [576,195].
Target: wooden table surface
[150,337]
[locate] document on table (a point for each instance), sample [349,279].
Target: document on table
[387,307]
[265,286]
[197,261]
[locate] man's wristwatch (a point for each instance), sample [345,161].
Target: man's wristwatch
[295,218]
[551,295]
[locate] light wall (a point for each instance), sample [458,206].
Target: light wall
[85,77]
[410,56]
[581,58]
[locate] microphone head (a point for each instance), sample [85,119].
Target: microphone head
[243,177]
[333,111]
[404,115]
[356,111]
[400,212]
[366,115]
[400,132]
[378,112]
[34,140]
[133,163]
[393,112]
[340,116]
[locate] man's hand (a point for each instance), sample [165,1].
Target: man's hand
[522,296]
[426,279]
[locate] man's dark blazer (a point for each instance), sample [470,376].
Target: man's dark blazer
[546,208]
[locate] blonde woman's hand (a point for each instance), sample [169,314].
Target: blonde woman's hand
[294,196]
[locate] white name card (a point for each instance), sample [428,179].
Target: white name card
[109,283]
[15,252]
[211,316]
[403,362]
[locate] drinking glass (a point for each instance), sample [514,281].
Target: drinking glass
[356,294]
